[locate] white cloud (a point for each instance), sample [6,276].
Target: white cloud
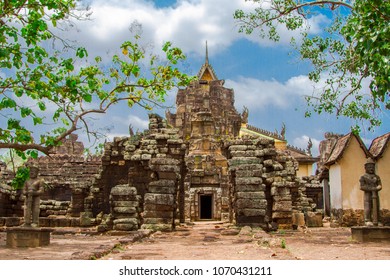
[257,94]
[135,121]
[302,142]
[188,24]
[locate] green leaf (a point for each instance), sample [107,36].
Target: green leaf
[87,98]
[21,177]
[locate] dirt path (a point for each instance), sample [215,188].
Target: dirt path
[213,241]
[203,241]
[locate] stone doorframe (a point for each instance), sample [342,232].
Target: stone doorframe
[195,195]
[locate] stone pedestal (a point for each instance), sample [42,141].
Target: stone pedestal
[28,237]
[371,234]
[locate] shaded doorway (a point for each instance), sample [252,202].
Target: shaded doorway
[206,207]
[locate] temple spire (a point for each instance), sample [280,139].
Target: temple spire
[207,55]
[206,72]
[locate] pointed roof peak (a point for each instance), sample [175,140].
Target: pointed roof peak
[207,54]
[206,72]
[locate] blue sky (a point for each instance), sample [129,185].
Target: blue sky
[265,78]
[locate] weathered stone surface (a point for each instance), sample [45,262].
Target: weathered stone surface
[298,219]
[124,210]
[251,212]
[155,221]
[164,161]
[161,190]
[249,173]
[86,219]
[28,237]
[125,227]
[132,221]
[122,190]
[163,199]
[282,206]
[249,181]
[158,207]
[121,203]
[250,195]
[313,219]
[244,160]
[250,188]
[163,183]
[159,214]
[251,203]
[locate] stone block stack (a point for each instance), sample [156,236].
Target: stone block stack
[249,191]
[124,208]
[282,173]
[160,200]
[263,178]
[53,207]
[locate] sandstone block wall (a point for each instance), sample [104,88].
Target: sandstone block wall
[262,181]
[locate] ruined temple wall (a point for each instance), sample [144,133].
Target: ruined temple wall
[68,179]
[263,178]
[151,163]
[355,217]
[10,202]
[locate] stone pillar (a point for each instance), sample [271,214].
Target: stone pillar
[124,207]
[160,201]
[249,194]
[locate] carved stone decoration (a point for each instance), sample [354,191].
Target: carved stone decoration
[245,115]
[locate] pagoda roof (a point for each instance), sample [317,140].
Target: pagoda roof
[207,72]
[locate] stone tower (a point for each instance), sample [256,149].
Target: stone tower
[205,117]
[206,94]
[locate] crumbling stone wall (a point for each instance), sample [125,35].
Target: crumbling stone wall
[68,178]
[355,217]
[262,180]
[68,175]
[150,180]
[151,163]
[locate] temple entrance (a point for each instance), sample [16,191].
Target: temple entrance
[206,206]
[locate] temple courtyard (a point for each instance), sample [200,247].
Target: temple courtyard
[202,241]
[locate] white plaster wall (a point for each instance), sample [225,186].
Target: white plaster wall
[336,199]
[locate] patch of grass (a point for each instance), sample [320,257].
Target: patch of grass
[283,244]
[119,247]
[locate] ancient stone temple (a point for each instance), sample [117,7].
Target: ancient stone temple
[202,162]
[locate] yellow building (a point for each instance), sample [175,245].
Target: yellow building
[346,166]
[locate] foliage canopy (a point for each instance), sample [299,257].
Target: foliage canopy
[350,57]
[46,89]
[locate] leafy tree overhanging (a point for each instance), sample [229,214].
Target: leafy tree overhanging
[351,58]
[39,86]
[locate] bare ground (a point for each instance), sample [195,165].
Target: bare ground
[203,241]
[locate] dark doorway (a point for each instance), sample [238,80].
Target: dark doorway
[206,206]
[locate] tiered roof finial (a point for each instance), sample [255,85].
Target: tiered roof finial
[207,54]
[206,72]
